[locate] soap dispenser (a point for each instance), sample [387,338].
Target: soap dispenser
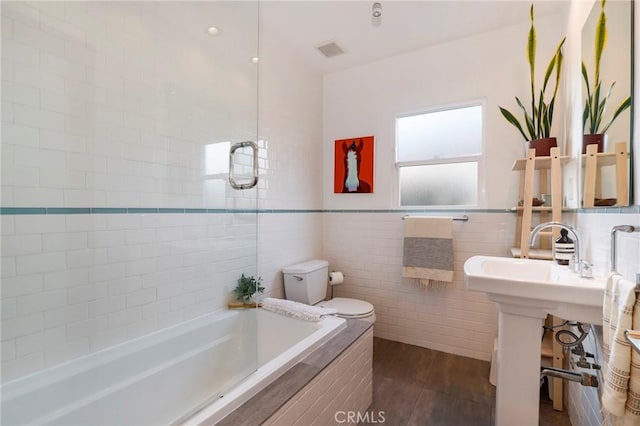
[564,248]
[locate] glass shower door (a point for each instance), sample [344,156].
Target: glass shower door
[119,119]
[208,51]
[229,107]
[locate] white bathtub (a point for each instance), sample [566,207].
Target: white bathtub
[167,376]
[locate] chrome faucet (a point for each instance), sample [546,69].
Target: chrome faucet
[577,265]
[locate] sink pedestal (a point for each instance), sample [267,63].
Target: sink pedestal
[518,381]
[526,291]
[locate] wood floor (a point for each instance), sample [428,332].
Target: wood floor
[418,386]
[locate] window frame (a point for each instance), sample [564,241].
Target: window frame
[477,158]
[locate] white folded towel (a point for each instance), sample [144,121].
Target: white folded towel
[621,391]
[296,310]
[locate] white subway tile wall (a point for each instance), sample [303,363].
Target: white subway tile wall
[68,299]
[283,240]
[595,232]
[101,109]
[367,248]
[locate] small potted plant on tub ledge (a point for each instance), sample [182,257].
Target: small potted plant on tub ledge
[246,288]
[536,123]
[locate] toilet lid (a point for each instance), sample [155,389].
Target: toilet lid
[352,308]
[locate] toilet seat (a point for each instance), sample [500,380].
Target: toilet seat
[349,308]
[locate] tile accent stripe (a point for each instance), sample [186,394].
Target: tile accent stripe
[151,210]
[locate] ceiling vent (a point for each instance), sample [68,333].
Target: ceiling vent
[330,49]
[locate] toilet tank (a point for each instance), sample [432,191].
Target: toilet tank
[306,282]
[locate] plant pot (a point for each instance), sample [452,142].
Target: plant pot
[542,146]
[597,139]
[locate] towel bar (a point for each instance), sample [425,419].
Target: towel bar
[623,228]
[463,218]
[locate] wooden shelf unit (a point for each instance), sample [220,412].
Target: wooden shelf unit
[593,161]
[547,172]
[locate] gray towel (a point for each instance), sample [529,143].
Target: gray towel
[428,250]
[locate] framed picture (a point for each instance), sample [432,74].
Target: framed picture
[353,167]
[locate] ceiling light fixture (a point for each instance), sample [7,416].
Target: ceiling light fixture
[376,14]
[213,31]
[255,59]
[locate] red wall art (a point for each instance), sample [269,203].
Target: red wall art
[353,170]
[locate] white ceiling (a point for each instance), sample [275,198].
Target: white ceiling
[405,25]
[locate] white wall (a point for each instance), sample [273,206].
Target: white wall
[291,177]
[367,247]
[101,109]
[492,67]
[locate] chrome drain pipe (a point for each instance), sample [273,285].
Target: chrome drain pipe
[584,379]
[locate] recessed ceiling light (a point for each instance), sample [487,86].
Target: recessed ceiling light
[213,31]
[255,59]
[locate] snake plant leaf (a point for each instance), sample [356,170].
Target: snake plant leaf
[585,115]
[540,115]
[596,101]
[600,40]
[544,122]
[513,120]
[550,116]
[528,119]
[531,56]
[559,60]
[538,120]
[600,113]
[585,77]
[621,108]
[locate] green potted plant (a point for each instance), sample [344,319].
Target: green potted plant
[593,123]
[247,287]
[539,118]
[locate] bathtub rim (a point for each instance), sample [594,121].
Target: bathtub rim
[219,408]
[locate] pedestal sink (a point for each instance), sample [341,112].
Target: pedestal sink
[526,291]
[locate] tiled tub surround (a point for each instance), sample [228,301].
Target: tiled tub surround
[367,247]
[74,284]
[321,389]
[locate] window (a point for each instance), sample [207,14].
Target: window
[216,159]
[438,155]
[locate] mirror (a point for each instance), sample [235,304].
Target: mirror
[607,146]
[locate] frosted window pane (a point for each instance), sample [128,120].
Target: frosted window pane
[453,184]
[217,158]
[451,133]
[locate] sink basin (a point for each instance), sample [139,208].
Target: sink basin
[538,283]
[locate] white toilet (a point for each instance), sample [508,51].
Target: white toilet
[307,282]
